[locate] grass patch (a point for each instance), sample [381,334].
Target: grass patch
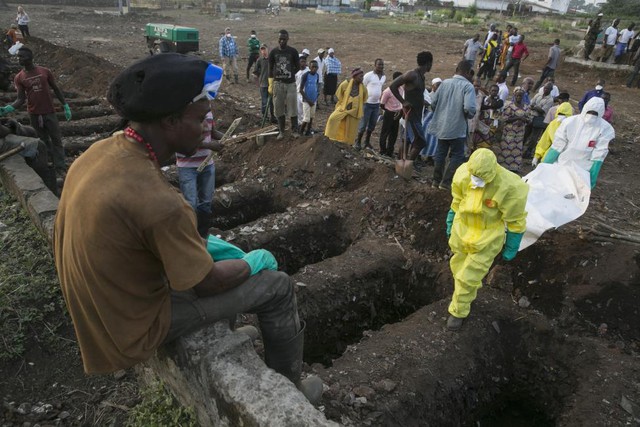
[31,302]
[159,408]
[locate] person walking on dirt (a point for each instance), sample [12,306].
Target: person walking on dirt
[261,71]
[472,48]
[22,19]
[284,63]
[624,40]
[13,135]
[392,113]
[34,85]
[487,215]
[413,100]
[309,90]
[134,272]
[373,81]
[321,65]
[610,40]
[488,63]
[229,54]
[332,70]
[549,69]
[253,44]
[453,104]
[518,55]
[592,36]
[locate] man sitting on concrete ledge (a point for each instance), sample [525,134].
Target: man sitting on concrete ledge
[134,271]
[14,135]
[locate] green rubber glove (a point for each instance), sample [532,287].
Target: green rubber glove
[511,245]
[594,171]
[220,249]
[450,217]
[551,156]
[67,112]
[260,259]
[6,110]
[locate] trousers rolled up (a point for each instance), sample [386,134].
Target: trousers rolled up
[48,129]
[285,99]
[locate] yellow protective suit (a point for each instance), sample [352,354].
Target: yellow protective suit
[342,124]
[478,230]
[564,110]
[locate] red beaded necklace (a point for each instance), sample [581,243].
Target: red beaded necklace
[131,133]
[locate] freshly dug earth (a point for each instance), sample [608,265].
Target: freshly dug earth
[588,291]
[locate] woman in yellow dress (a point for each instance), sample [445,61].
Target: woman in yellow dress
[342,125]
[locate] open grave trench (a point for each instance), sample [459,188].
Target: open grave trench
[369,258]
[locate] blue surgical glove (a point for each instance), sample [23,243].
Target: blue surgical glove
[511,245]
[551,156]
[260,259]
[6,110]
[67,112]
[450,217]
[220,249]
[594,171]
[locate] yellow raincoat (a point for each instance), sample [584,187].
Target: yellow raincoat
[478,230]
[564,110]
[342,124]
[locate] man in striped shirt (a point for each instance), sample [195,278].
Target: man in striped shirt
[333,68]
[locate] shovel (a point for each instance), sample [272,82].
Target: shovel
[11,152]
[404,167]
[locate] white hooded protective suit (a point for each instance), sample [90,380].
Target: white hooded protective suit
[582,139]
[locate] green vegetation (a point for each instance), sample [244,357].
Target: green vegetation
[30,299]
[159,408]
[622,8]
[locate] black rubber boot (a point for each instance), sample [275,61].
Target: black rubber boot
[235,78]
[286,359]
[308,133]
[294,126]
[358,145]
[303,126]
[281,125]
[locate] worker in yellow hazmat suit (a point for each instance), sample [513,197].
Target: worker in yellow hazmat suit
[488,204]
[564,110]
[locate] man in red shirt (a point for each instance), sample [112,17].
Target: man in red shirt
[518,55]
[34,85]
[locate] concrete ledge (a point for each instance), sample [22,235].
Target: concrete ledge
[219,374]
[599,65]
[40,203]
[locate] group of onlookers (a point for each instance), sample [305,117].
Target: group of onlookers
[19,29]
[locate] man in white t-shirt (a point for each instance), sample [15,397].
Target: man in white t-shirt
[624,40]
[373,81]
[503,90]
[610,38]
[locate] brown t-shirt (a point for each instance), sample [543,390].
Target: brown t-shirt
[122,236]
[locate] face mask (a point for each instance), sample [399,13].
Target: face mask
[590,119]
[253,36]
[560,118]
[477,182]
[228,34]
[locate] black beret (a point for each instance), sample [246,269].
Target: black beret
[157,86]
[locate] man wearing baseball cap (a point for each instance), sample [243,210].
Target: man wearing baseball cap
[134,272]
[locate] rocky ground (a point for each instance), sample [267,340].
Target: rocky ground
[585,289]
